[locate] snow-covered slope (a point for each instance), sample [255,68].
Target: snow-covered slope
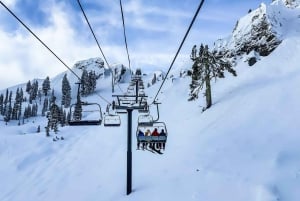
[246,147]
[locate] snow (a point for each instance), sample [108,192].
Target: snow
[246,147]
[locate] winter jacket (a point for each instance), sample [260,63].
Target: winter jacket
[155,133]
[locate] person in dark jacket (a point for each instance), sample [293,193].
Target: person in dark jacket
[163,143]
[140,133]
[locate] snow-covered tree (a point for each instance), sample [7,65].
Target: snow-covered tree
[1,104]
[45,106]
[52,98]
[46,86]
[33,91]
[77,114]
[92,82]
[28,87]
[15,110]
[153,79]
[8,110]
[66,92]
[53,116]
[88,82]
[207,66]
[84,83]
[5,103]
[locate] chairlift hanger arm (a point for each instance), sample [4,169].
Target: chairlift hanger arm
[121,107]
[156,103]
[130,96]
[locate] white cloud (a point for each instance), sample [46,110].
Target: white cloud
[26,58]
[10,3]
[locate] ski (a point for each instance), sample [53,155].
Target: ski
[155,150]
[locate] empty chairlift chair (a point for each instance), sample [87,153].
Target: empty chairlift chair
[112,120]
[85,114]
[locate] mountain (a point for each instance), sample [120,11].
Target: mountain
[246,147]
[261,31]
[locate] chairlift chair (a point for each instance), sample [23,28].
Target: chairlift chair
[112,120]
[148,138]
[91,115]
[145,109]
[145,120]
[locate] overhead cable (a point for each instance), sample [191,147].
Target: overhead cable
[93,33]
[124,32]
[39,39]
[46,46]
[181,44]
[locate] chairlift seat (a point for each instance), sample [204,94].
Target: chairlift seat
[85,122]
[151,126]
[112,120]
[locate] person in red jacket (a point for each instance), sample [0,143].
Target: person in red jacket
[155,132]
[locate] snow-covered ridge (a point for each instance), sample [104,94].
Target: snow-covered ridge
[261,31]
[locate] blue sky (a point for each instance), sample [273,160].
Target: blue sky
[154,30]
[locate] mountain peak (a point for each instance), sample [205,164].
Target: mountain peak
[261,31]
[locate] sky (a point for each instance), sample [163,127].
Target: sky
[154,31]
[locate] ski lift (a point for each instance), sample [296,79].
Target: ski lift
[147,130]
[112,120]
[145,109]
[146,126]
[145,120]
[89,115]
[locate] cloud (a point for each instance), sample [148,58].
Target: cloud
[26,58]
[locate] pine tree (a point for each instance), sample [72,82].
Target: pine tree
[1,104]
[92,81]
[84,83]
[33,91]
[28,87]
[207,66]
[77,114]
[15,110]
[40,96]
[62,117]
[34,110]
[5,103]
[66,92]
[52,98]
[8,110]
[25,115]
[153,79]
[46,86]
[29,111]
[45,106]
[53,116]
[20,100]
[68,118]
